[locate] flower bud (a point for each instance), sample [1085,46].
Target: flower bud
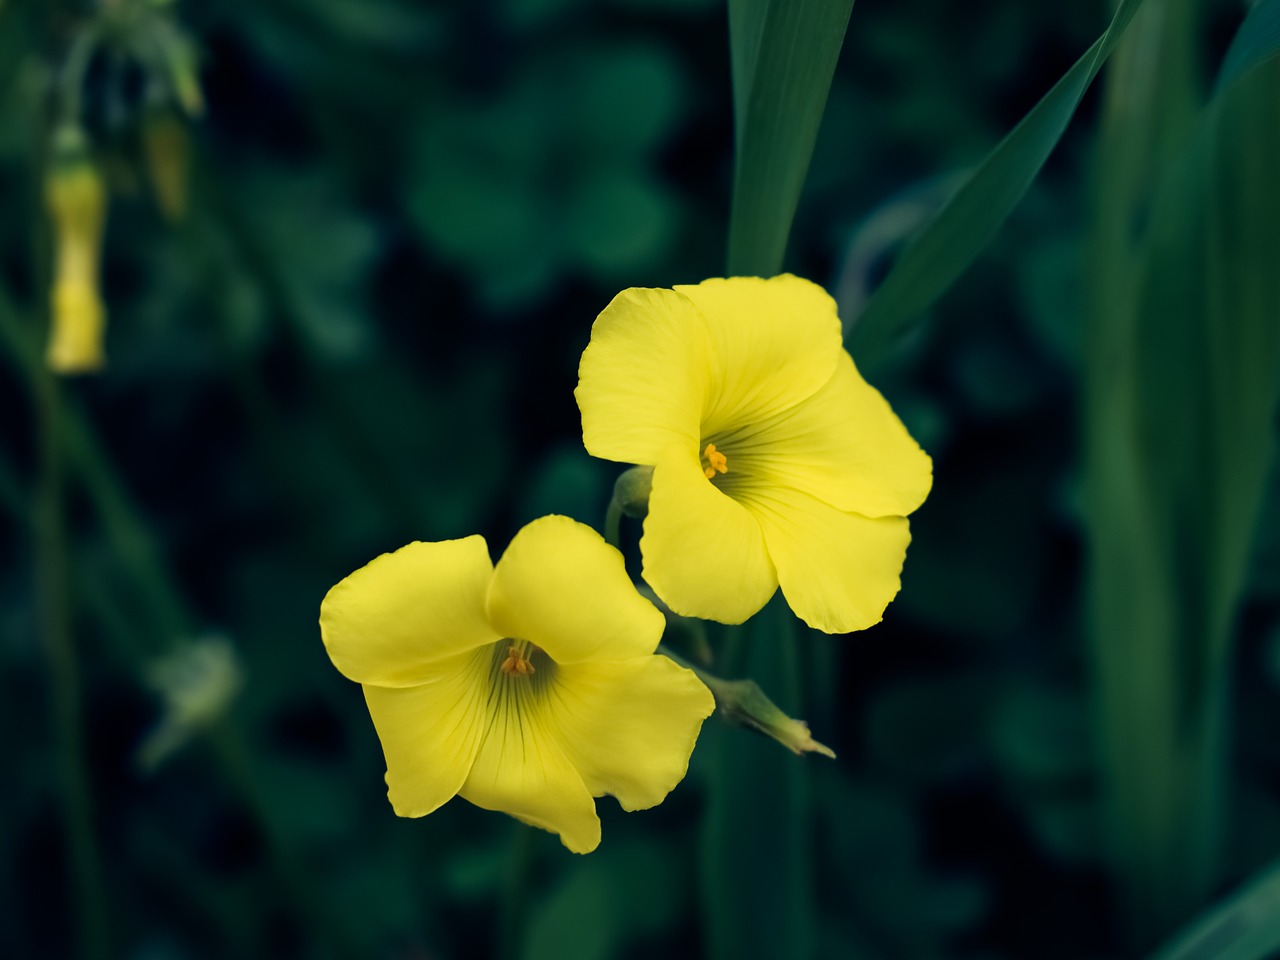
[76,199]
[631,491]
[195,684]
[744,703]
[167,151]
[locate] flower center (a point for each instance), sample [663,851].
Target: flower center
[713,462]
[521,669]
[516,663]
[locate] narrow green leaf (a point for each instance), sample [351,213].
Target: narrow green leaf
[1257,41]
[1181,404]
[746,27]
[955,237]
[784,54]
[1243,926]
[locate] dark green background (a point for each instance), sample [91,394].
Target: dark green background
[404,217]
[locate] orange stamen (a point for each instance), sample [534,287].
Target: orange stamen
[517,664]
[716,462]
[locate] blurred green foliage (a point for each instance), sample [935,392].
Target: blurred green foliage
[403,218]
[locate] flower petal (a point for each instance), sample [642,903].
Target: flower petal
[704,553]
[561,587]
[391,618]
[844,445]
[643,376]
[775,342]
[838,570]
[430,733]
[521,770]
[629,727]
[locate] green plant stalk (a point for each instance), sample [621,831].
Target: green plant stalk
[85,859]
[757,842]
[169,615]
[513,907]
[1162,765]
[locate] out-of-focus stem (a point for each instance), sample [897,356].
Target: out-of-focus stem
[84,858]
[1161,771]
[513,910]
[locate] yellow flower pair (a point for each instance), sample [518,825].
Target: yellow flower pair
[533,686]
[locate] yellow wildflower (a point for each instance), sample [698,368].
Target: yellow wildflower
[774,462]
[77,203]
[528,687]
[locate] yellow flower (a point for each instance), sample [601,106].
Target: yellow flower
[774,462]
[77,202]
[528,687]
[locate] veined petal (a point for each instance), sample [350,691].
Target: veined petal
[844,445]
[704,553]
[521,769]
[630,726]
[430,733]
[838,570]
[385,623]
[643,376]
[775,342]
[561,587]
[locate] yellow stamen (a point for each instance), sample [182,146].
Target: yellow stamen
[517,664]
[716,462]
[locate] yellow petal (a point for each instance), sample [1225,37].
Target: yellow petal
[521,769]
[561,587]
[629,727]
[844,445]
[387,621]
[643,376]
[838,570]
[704,553]
[430,733]
[774,343]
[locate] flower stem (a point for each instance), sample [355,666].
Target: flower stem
[84,859]
[613,524]
[515,893]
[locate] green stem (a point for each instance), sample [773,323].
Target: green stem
[132,542]
[85,861]
[613,524]
[513,911]
[1162,766]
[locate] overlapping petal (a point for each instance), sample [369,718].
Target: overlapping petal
[389,621]
[521,769]
[643,377]
[703,552]
[837,570]
[560,586]
[773,344]
[430,733]
[844,445]
[630,726]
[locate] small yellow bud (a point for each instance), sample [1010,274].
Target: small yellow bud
[77,203]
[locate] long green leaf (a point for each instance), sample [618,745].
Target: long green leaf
[1244,926]
[784,54]
[1257,41]
[1183,378]
[964,226]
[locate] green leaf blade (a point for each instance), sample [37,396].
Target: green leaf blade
[784,56]
[962,228]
